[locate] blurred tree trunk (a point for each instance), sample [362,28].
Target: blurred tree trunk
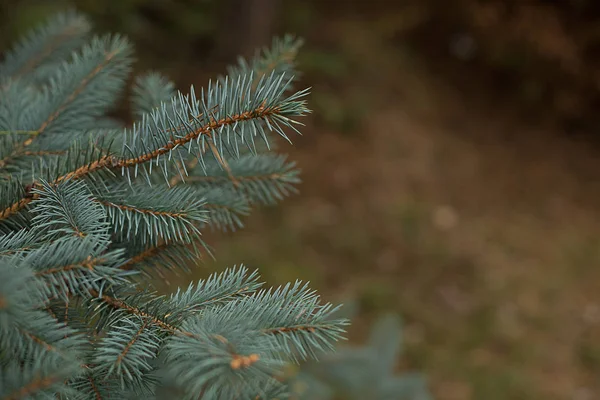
[245,26]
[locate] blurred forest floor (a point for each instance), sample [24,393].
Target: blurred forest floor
[437,196]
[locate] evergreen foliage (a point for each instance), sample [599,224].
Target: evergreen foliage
[89,210]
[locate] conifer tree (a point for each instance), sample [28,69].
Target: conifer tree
[91,211]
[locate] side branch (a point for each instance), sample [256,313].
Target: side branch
[152,251]
[120,304]
[141,210]
[89,264]
[6,160]
[104,162]
[94,388]
[286,57]
[260,113]
[107,58]
[69,32]
[19,150]
[132,342]
[17,206]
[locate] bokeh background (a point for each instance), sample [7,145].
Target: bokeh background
[450,171]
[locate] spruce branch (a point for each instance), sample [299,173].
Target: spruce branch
[217,289]
[227,360]
[79,91]
[13,191]
[51,43]
[17,242]
[84,222]
[280,58]
[68,209]
[138,213]
[150,91]
[75,266]
[114,60]
[119,304]
[262,178]
[155,260]
[231,120]
[266,107]
[147,254]
[226,207]
[127,350]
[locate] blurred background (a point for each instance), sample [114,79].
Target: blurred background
[450,171]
